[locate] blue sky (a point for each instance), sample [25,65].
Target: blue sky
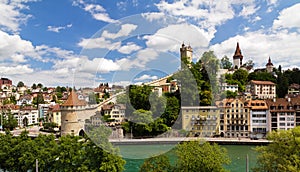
[84,42]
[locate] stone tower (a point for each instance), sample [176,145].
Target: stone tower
[70,110]
[186,54]
[269,66]
[237,57]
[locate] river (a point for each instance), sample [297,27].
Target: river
[135,154]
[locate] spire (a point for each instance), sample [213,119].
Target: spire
[269,62]
[73,100]
[238,52]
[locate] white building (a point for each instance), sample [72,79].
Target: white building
[262,89]
[226,87]
[259,118]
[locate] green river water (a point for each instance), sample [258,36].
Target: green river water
[134,154]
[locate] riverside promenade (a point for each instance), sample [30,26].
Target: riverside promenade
[176,140]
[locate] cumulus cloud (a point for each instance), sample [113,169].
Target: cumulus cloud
[171,37]
[13,47]
[125,30]
[146,77]
[16,70]
[96,10]
[287,18]
[11,15]
[57,29]
[129,48]
[281,46]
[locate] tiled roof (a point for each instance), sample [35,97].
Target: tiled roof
[73,100]
[262,82]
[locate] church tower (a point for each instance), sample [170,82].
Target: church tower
[70,109]
[237,57]
[186,54]
[269,66]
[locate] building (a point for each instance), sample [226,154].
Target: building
[71,109]
[227,87]
[269,66]
[259,118]
[202,121]
[25,100]
[262,89]
[234,118]
[282,113]
[54,114]
[116,113]
[186,54]
[237,57]
[27,116]
[294,89]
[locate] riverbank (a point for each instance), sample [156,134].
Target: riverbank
[176,140]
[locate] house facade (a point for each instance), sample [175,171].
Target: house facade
[262,89]
[202,121]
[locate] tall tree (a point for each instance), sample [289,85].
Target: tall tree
[225,63]
[160,163]
[282,154]
[20,84]
[197,156]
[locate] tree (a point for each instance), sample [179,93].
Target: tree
[225,63]
[10,122]
[40,85]
[249,64]
[39,99]
[20,84]
[197,156]
[33,86]
[160,163]
[282,154]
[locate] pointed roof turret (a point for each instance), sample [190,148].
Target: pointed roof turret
[238,52]
[269,62]
[73,100]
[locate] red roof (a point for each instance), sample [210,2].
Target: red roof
[262,82]
[73,100]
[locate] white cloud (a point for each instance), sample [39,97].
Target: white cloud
[146,77]
[104,42]
[129,48]
[96,10]
[16,70]
[153,16]
[57,29]
[281,46]
[11,14]
[12,46]
[248,10]
[99,42]
[171,37]
[287,18]
[125,30]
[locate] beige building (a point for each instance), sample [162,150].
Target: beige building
[115,111]
[200,121]
[71,109]
[54,114]
[262,89]
[234,118]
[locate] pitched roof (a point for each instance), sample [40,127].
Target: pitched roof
[262,82]
[73,100]
[269,62]
[238,52]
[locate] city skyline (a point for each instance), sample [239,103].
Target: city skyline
[80,43]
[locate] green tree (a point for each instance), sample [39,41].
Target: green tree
[282,154]
[225,63]
[197,156]
[39,85]
[10,122]
[33,86]
[39,99]
[20,84]
[160,163]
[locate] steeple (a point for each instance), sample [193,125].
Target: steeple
[269,66]
[237,57]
